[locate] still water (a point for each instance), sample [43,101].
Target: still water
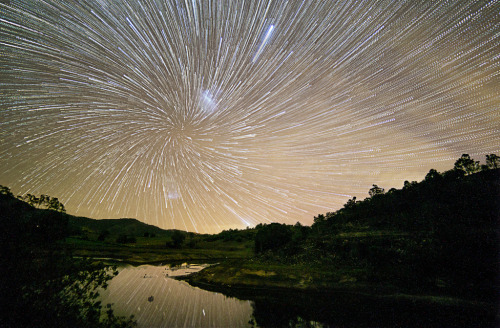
[157,300]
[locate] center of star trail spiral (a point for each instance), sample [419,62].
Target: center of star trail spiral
[209,115]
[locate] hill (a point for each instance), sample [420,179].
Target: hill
[24,219]
[14,208]
[24,207]
[437,239]
[124,226]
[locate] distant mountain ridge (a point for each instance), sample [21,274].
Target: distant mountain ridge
[13,208]
[125,226]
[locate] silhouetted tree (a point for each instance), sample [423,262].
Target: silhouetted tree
[375,190]
[43,201]
[350,203]
[272,236]
[433,174]
[320,218]
[178,238]
[493,161]
[407,184]
[30,199]
[6,191]
[298,234]
[466,164]
[51,203]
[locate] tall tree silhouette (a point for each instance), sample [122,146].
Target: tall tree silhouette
[493,161]
[466,164]
[375,190]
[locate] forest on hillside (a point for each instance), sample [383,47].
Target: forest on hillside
[440,235]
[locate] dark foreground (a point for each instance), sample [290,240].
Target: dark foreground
[422,256]
[349,305]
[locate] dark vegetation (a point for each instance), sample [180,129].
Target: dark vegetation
[431,241]
[42,285]
[111,228]
[177,239]
[134,242]
[437,238]
[50,270]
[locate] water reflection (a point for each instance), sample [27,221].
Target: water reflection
[157,300]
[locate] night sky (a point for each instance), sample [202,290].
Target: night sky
[209,115]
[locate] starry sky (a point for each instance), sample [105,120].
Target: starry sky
[209,115]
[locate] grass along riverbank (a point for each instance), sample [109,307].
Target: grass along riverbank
[249,277]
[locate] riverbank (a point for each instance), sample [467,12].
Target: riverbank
[316,298]
[237,278]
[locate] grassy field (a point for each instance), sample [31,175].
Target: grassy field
[153,250]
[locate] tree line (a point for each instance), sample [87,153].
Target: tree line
[44,201]
[437,235]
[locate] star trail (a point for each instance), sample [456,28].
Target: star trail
[209,115]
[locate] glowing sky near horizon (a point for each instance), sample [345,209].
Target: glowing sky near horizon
[209,115]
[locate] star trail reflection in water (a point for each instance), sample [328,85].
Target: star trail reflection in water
[159,301]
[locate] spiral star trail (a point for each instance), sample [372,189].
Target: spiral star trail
[209,115]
